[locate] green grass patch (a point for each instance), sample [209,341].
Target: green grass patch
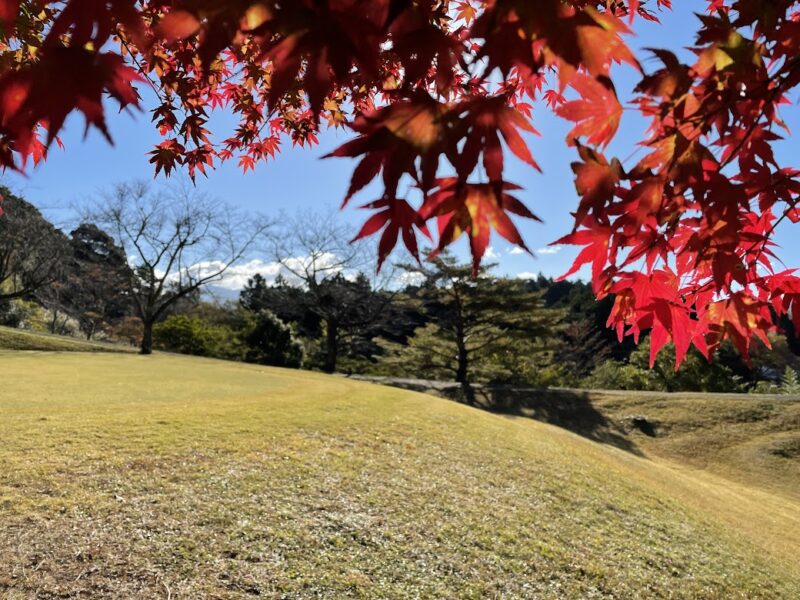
[18,339]
[167,476]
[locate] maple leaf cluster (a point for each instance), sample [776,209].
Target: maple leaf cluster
[684,238]
[440,95]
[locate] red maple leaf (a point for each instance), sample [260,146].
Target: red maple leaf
[480,122]
[391,139]
[396,217]
[475,209]
[597,112]
[596,239]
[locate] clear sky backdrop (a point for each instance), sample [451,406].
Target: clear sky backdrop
[299,180]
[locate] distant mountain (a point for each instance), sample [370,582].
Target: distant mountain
[220,294]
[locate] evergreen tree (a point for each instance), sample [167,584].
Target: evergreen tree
[96,284]
[272,342]
[477,327]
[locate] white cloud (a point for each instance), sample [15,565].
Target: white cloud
[527,275]
[516,251]
[491,253]
[235,277]
[549,250]
[410,278]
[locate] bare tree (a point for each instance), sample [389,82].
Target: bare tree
[32,251]
[51,297]
[314,253]
[177,241]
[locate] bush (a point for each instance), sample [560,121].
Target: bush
[527,364]
[19,313]
[190,335]
[790,382]
[766,387]
[696,374]
[272,342]
[613,375]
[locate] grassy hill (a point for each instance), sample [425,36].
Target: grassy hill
[18,339]
[127,476]
[754,439]
[750,438]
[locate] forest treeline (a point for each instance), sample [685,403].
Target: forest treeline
[323,311]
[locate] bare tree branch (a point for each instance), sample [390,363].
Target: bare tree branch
[177,239]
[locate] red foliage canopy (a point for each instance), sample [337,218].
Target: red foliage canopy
[438,92]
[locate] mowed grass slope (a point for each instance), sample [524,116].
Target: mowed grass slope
[754,439]
[18,339]
[124,476]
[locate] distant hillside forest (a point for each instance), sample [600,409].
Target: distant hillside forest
[441,323]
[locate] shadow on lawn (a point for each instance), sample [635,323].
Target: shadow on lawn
[569,409]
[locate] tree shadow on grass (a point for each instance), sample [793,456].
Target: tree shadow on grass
[569,409]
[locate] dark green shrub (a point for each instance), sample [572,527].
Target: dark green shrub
[272,342]
[187,335]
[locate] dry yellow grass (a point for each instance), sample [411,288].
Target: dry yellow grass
[124,476]
[753,439]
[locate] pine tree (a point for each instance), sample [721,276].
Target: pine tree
[477,327]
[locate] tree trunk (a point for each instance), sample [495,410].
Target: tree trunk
[461,345]
[54,322]
[147,338]
[331,346]
[463,365]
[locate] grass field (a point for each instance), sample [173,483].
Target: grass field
[124,476]
[753,439]
[18,339]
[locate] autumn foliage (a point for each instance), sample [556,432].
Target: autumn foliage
[439,94]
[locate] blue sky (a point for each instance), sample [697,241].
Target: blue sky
[299,180]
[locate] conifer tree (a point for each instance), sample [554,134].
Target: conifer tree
[474,323]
